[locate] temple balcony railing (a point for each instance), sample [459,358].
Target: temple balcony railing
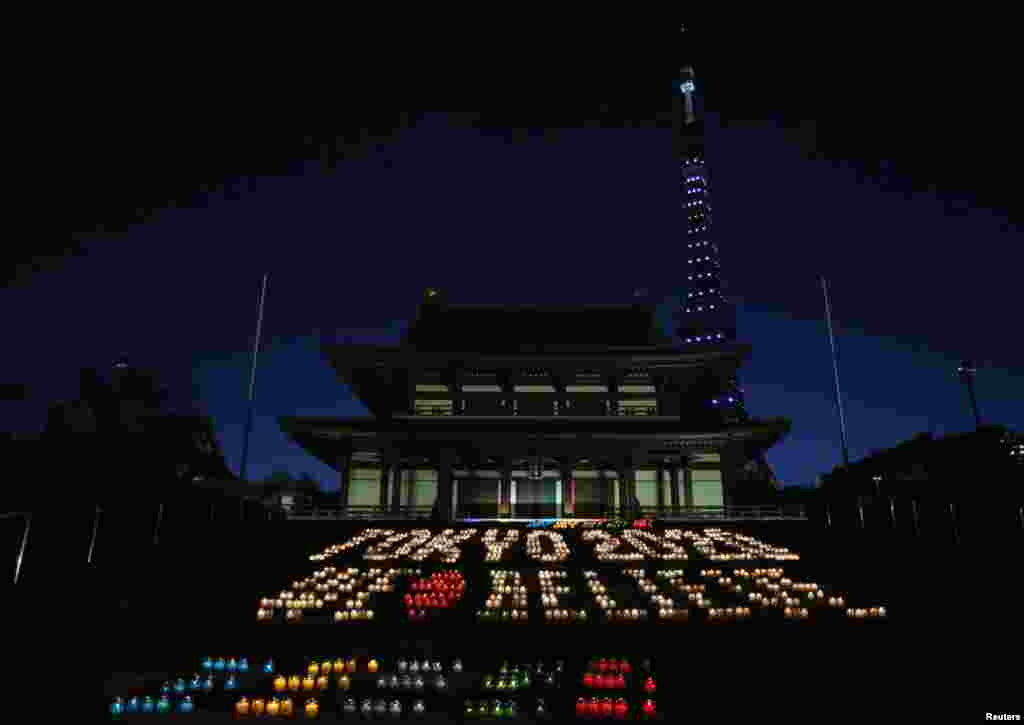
[369,513]
[791,512]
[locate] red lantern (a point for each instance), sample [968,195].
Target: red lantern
[412,614]
[649,708]
[624,666]
[602,666]
[594,706]
[607,708]
[620,681]
[588,680]
[649,686]
[581,707]
[621,709]
[613,665]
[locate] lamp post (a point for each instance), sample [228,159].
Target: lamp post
[967,372]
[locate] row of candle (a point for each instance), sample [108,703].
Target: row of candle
[606,707]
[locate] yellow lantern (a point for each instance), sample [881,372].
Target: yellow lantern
[350,666]
[339,665]
[294,683]
[308,683]
[242,706]
[325,667]
[274,707]
[257,706]
[312,708]
[322,682]
[313,668]
[344,682]
[287,708]
[372,665]
[280,684]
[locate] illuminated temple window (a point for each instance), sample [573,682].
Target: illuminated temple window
[707,488]
[364,487]
[424,488]
[706,458]
[534,388]
[647,487]
[481,388]
[434,407]
[638,407]
[586,388]
[431,388]
[636,389]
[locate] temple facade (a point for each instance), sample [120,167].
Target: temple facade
[535,411]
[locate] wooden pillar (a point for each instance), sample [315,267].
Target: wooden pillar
[606,487]
[345,476]
[505,487]
[444,485]
[386,467]
[661,485]
[732,457]
[627,487]
[396,489]
[687,487]
[566,470]
[674,486]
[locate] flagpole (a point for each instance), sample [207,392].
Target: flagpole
[835,368]
[252,382]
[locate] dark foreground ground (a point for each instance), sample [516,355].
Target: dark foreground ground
[144,614]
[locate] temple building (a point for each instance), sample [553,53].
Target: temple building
[534,411]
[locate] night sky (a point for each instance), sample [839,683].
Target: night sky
[923,258]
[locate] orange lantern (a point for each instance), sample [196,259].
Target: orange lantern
[308,683]
[339,665]
[325,667]
[242,706]
[287,707]
[313,668]
[372,666]
[258,707]
[294,683]
[344,682]
[280,684]
[274,707]
[322,682]
[350,666]
[312,709]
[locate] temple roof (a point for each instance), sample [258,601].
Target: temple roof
[505,328]
[327,437]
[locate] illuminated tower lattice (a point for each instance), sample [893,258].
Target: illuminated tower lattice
[707,316]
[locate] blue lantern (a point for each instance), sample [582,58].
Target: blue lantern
[165,689]
[231,684]
[268,666]
[117,706]
[163,705]
[208,684]
[207,663]
[219,665]
[132,706]
[147,704]
[232,665]
[186,704]
[179,686]
[195,683]
[243,665]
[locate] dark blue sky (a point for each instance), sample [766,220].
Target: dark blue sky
[917,278]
